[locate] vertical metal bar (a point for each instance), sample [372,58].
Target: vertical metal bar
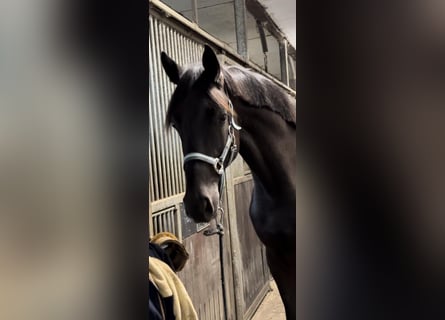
[181,56]
[167,218]
[155,225]
[165,100]
[178,221]
[169,147]
[195,11]
[153,168]
[173,221]
[174,150]
[152,110]
[162,216]
[283,62]
[150,169]
[162,80]
[150,221]
[156,94]
[241,27]
[164,223]
[174,136]
[162,109]
[164,227]
[169,222]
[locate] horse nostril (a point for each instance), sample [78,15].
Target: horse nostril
[199,207]
[208,207]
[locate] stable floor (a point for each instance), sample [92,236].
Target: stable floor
[271,308]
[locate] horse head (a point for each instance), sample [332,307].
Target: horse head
[202,114]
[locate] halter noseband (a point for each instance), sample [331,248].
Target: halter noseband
[218,163]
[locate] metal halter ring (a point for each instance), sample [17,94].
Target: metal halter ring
[219,167]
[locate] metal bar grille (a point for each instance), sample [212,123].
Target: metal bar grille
[166,174]
[165,220]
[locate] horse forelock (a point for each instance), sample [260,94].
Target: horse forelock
[188,79]
[221,99]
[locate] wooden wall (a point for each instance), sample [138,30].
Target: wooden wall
[255,271]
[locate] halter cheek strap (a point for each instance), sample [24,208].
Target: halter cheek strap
[218,163]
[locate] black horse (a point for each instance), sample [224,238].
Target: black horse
[208,106]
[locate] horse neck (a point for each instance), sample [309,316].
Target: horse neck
[268,145]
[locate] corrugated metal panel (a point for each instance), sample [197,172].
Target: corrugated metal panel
[166,174]
[167,220]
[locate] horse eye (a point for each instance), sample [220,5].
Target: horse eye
[223,117]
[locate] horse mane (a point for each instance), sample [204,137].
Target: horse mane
[259,92]
[254,89]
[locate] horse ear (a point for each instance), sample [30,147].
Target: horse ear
[170,67]
[211,65]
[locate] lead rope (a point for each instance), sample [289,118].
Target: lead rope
[220,231]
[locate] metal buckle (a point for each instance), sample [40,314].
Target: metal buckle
[234,125]
[219,225]
[232,118]
[219,167]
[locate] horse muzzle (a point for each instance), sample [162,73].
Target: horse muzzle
[202,206]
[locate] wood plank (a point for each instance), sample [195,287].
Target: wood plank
[251,247]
